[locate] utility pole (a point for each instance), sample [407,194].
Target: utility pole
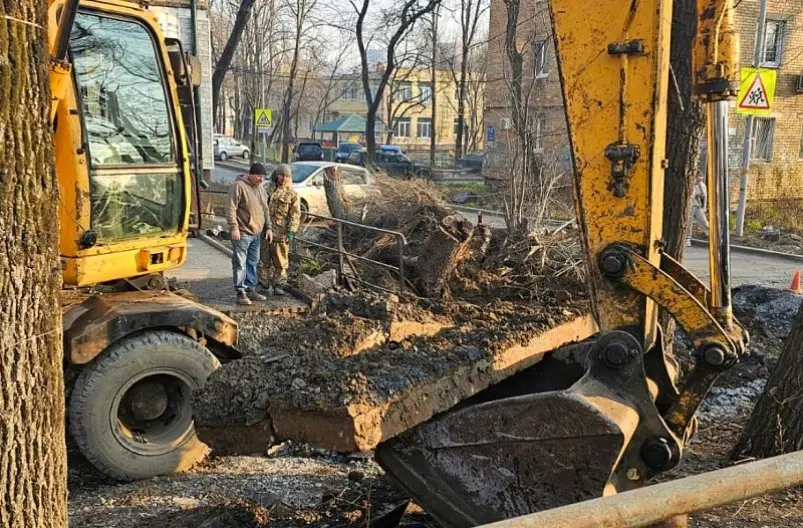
[758,58]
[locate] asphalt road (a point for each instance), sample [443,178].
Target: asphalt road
[745,268]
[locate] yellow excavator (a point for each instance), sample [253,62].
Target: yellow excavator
[517,450]
[126,152]
[126,140]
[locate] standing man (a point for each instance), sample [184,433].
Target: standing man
[699,200]
[285,216]
[249,222]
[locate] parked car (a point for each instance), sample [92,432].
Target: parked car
[344,149]
[393,163]
[228,147]
[308,183]
[473,162]
[390,149]
[309,151]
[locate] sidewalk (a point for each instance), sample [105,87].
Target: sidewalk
[207,274]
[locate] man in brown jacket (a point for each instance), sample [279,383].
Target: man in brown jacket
[285,216]
[248,219]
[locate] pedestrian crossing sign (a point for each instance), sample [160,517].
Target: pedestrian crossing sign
[756,91]
[263,119]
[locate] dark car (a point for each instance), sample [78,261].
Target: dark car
[309,151]
[344,149]
[392,163]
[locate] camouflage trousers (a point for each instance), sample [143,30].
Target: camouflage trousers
[274,260]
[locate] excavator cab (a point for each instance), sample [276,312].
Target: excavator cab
[125,147]
[127,153]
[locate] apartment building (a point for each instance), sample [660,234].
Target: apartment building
[406,108]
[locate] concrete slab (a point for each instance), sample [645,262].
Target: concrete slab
[359,427]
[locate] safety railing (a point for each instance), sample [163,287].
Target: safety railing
[401,242]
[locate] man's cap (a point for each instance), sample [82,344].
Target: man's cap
[258,168]
[283,169]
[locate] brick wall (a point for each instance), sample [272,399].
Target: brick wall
[780,176]
[546,100]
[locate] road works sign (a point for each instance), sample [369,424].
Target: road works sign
[263,120]
[756,91]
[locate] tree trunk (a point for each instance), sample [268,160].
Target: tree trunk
[223,63]
[443,251]
[336,199]
[433,135]
[685,127]
[33,460]
[776,425]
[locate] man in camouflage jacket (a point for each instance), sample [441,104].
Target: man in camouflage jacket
[284,208]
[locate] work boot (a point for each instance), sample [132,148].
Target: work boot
[242,298]
[256,296]
[278,290]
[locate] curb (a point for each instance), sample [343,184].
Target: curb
[754,251]
[215,244]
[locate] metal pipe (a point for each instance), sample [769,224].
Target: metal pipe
[400,251]
[718,213]
[66,21]
[341,265]
[660,502]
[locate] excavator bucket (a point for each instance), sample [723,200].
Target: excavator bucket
[524,453]
[506,458]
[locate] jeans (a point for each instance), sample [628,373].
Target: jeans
[244,262]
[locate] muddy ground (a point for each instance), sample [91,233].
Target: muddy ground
[295,485]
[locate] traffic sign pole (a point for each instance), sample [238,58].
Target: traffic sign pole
[758,56]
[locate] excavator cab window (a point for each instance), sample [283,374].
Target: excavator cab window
[135,177]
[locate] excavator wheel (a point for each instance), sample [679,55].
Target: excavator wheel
[130,411]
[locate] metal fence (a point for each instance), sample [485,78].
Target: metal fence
[401,242]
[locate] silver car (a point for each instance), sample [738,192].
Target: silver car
[228,147]
[308,183]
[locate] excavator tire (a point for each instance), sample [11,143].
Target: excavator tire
[130,410]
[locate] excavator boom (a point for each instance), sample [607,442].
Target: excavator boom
[625,420]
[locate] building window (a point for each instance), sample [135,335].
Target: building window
[538,127]
[761,140]
[424,91]
[540,58]
[350,93]
[773,43]
[403,92]
[402,127]
[423,127]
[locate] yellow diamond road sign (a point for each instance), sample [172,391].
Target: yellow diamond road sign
[263,119]
[756,91]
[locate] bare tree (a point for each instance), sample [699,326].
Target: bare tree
[523,169]
[223,63]
[328,93]
[300,15]
[404,18]
[471,12]
[33,458]
[433,134]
